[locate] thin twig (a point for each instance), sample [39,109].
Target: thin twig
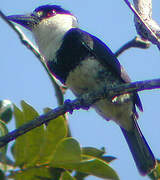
[25,41]
[134,43]
[154,39]
[141,20]
[84,102]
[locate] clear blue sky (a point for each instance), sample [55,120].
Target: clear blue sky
[23,77]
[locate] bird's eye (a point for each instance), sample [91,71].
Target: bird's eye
[51,13]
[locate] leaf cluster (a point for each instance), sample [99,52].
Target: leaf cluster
[48,153]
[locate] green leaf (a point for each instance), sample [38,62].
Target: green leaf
[67,176]
[90,151]
[108,159]
[3,131]
[3,128]
[2,175]
[27,146]
[35,173]
[6,163]
[155,174]
[55,131]
[94,152]
[80,175]
[56,172]
[67,151]
[95,167]
[68,156]
[6,110]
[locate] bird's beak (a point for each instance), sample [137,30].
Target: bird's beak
[28,21]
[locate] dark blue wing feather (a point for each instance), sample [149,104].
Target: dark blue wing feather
[103,53]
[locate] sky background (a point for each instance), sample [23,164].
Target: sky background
[22,77]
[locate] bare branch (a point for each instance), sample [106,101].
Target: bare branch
[144,8]
[25,41]
[84,102]
[146,27]
[134,43]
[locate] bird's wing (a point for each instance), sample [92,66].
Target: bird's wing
[102,52]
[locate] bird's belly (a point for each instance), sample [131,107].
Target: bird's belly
[119,113]
[87,77]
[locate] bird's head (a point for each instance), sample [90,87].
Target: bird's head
[46,13]
[48,24]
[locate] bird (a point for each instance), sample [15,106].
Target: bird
[84,64]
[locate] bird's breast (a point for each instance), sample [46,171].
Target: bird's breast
[85,77]
[90,75]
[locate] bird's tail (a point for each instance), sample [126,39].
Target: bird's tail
[141,152]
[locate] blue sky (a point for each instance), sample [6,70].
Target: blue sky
[23,77]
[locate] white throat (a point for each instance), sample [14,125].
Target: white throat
[50,32]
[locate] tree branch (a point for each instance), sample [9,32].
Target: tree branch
[134,43]
[25,41]
[84,102]
[146,27]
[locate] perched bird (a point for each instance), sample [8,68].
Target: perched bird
[84,63]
